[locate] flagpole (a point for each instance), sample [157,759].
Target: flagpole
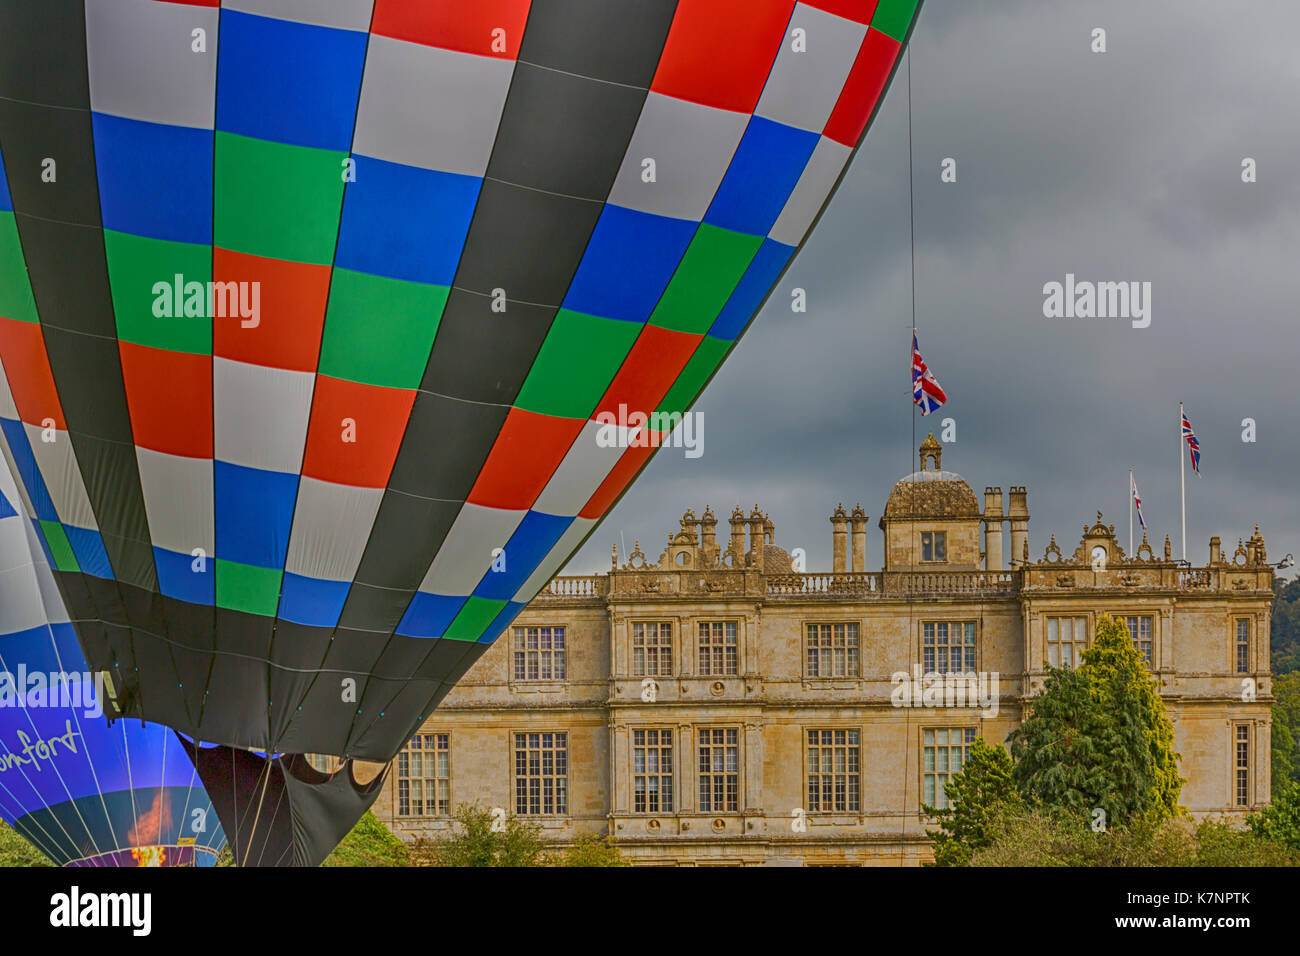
[1130,512]
[1182,478]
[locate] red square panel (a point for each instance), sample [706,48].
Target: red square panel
[169,395]
[355,432]
[860,10]
[616,481]
[719,52]
[656,359]
[866,80]
[27,367]
[292,311]
[527,450]
[486,27]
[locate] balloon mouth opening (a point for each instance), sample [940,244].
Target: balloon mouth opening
[156,855]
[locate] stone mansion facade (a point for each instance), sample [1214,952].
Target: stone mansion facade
[721,706]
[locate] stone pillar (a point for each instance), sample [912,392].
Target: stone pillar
[993,530]
[1018,512]
[840,526]
[1216,550]
[757,532]
[859,521]
[708,535]
[737,523]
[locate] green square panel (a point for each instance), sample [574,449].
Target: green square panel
[60,547]
[705,279]
[143,276]
[579,358]
[386,346]
[893,17]
[708,356]
[245,587]
[15,291]
[473,619]
[277,201]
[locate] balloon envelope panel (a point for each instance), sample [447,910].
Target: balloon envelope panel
[378,308]
[83,792]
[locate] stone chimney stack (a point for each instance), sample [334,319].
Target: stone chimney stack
[1018,512]
[756,534]
[993,529]
[859,521]
[840,526]
[1216,550]
[708,534]
[737,523]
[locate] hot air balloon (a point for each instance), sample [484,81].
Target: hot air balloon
[352,319]
[84,793]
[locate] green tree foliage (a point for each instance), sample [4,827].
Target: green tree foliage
[1286,729]
[1047,836]
[1099,737]
[476,843]
[1280,822]
[1059,753]
[1284,634]
[589,851]
[370,844]
[16,851]
[1136,717]
[977,795]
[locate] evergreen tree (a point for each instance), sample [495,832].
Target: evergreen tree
[1140,733]
[977,795]
[1099,737]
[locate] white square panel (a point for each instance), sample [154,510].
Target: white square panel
[809,73]
[260,415]
[809,194]
[466,554]
[178,500]
[142,64]
[428,107]
[691,145]
[331,525]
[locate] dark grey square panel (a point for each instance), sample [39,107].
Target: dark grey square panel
[564,133]
[526,242]
[484,356]
[57,251]
[445,445]
[88,373]
[32,134]
[620,42]
[375,608]
[43,52]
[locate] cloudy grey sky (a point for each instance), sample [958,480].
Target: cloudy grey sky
[1117,166]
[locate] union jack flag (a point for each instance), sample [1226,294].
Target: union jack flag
[926,391]
[1137,500]
[1193,446]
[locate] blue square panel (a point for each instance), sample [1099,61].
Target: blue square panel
[762,174]
[405,223]
[429,615]
[313,601]
[154,180]
[28,473]
[288,82]
[764,269]
[628,264]
[6,202]
[180,578]
[531,542]
[88,546]
[254,513]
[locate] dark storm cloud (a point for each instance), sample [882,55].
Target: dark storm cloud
[1117,166]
